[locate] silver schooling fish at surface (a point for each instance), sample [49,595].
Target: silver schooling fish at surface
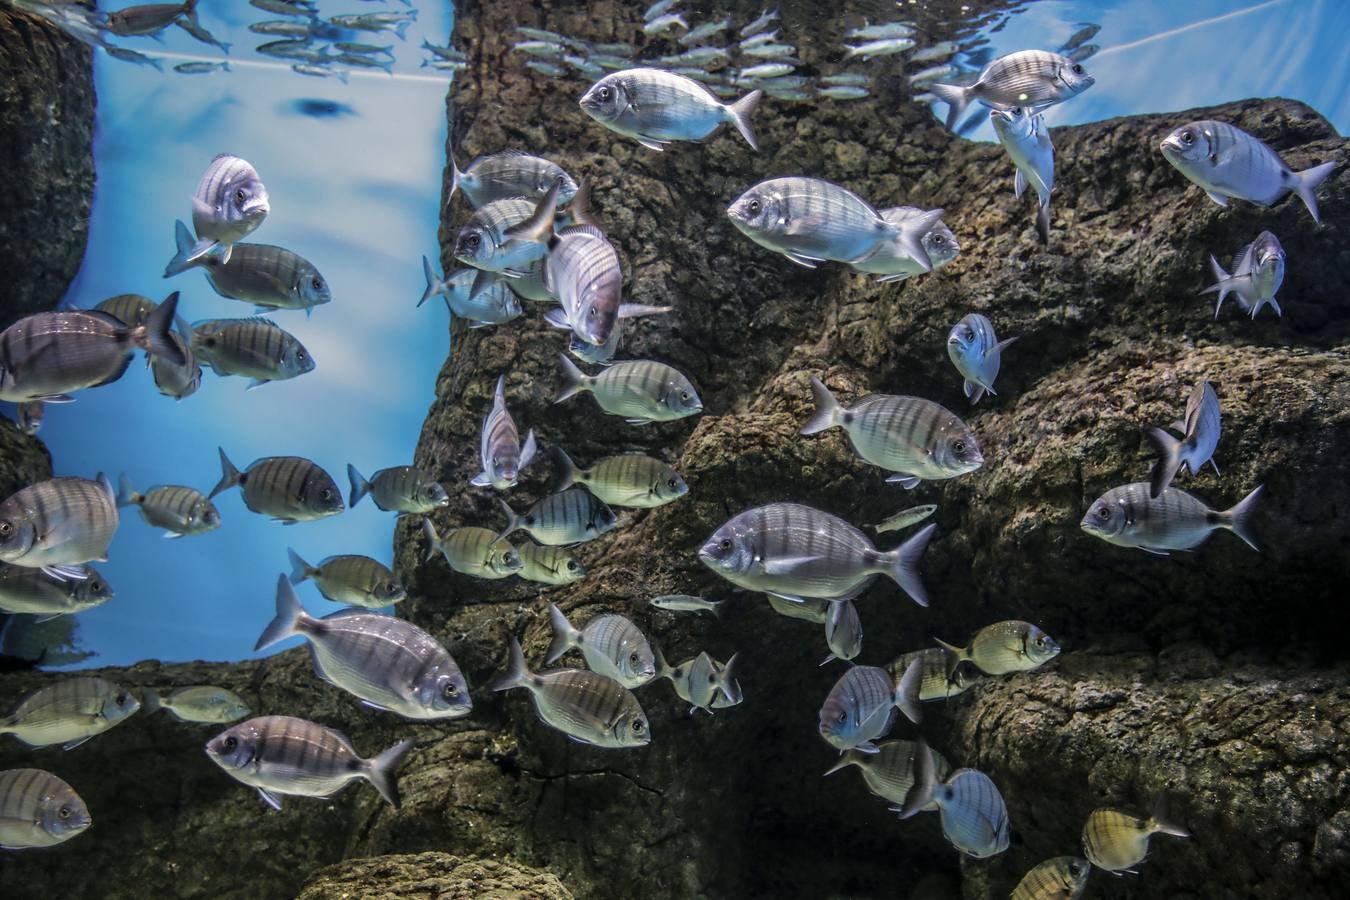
[1032,79]
[57,524]
[37,809]
[1200,429]
[406,490]
[655,107]
[500,450]
[1027,142]
[1128,517]
[610,643]
[230,202]
[977,354]
[1258,272]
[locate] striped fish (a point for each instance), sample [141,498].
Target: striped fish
[280,755]
[1115,841]
[892,261]
[199,703]
[178,510]
[129,309]
[1200,431]
[1003,647]
[974,816]
[727,690]
[629,479]
[843,631]
[230,202]
[56,524]
[610,643]
[390,664]
[47,355]
[583,273]
[507,236]
[35,592]
[1027,142]
[473,551]
[351,580]
[569,517]
[1127,517]
[1226,161]
[147,18]
[977,354]
[256,348]
[499,447]
[796,552]
[69,712]
[406,490]
[37,809]
[936,681]
[1060,878]
[267,276]
[495,304]
[172,379]
[549,565]
[1258,273]
[510,173]
[889,773]
[641,390]
[1034,79]
[809,220]
[917,439]
[290,489]
[588,707]
[655,107]
[860,706]
[905,518]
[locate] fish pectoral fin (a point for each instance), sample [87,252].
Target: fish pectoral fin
[376,706]
[1019,184]
[66,573]
[270,799]
[829,659]
[652,143]
[257,383]
[908,482]
[786,565]
[867,747]
[788,597]
[807,261]
[56,398]
[557,317]
[887,279]
[171,535]
[284,521]
[482,479]
[71,745]
[1178,426]
[1218,198]
[638,422]
[1155,551]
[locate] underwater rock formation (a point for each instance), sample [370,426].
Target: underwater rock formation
[434,876]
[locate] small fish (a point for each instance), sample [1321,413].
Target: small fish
[706,30]
[1226,161]
[1032,79]
[230,202]
[892,260]
[940,50]
[1061,878]
[977,354]
[771,50]
[1128,517]
[1115,841]
[588,707]
[544,68]
[540,48]
[708,681]
[318,72]
[905,518]
[889,772]
[281,28]
[765,19]
[265,275]
[35,592]
[916,439]
[500,449]
[1200,429]
[256,348]
[764,37]
[280,755]
[290,489]
[615,48]
[396,22]
[655,107]
[656,10]
[927,76]
[367,49]
[506,236]
[974,816]
[406,490]
[496,303]
[146,19]
[129,309]
[199,703]
[569,517]
[764,70]
[537,34]
[365,62]
[28,416]
[1003,647]
[174,380]
[881,31]
[629,479]
[180,511]
[201,68]
[473,551]
[286,7]
[843,631]
[808,609]
[549,565]
[69,712]
[859,707]
[37,809]
[1027,142]
[853,79]
[642,391]
[843,92]
[785,93]
[883,47]
[1258,272]
[685,603]
[57,524]
[698,56]
[610,643]
[301,49]
[1085,52]
[350,580]
[199,33]
[583,273]
[1086,32]
[936,681]
[662,24]
[387,663]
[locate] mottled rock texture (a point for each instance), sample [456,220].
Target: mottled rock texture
[433,876]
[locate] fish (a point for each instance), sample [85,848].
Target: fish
[629,479]
[610,643]
[301,49]
[882,47]
[540,48]
[940,50]
[386,662]
[905,518]
[200,33]
[500,449]
[396,22]
[57,524]
[540,34]
[698,56]
[685,603]
[198,703]
[265,275]
[1060,878]
[808,609]
[350,580]
[544,68]
[977,354]
[1227,162]
[662,24]
[936,680]
[256,348]
[583,273]
[763,70]
[37,809]
[179,510]
[178,381]
[562,519]
[473,551]
[1084,33]
[889,772]
[640,390]
[366,62]
[843,92]
[129,309]
[655,107]
[229,204]
[843,631]
[495,304]
[892,260]
[769,50]
[706,30]
[708,682]
[860,706]
[848,79]
[368,49]
[974,816]
[281,756]
[614,48]
[28,416]
[1032,79]
[756,40]
[1003,647]
[1027,142]
[1200,429]
[318,72]
[549,565]
[1258,272]
[1115,841]
[147,18]
[657,9]
[48,355]
[809,220]
[201,68]
[506,236]
[290,489]
[1085,52]
[927,76]
[588,707]
[797,552]
[406,490]
[880,31]
[917,439]
[35,592]
[286,7]
[69,712]
[281,28]
[765,19]
[1128,517]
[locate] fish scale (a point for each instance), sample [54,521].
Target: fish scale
[38,809]
[1061,878]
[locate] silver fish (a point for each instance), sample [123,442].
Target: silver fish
[977,354]
[940,50]
[808,609]
[708,681]
[396,22]
[1116,841]
[495,303]
[473,551]
[37,809]
[655,107]
[57,524]
[506,236]
[843,631]
[69,712]
[706,30]
[569,517]
[1027,142]
[286,7]
[366,62]
[860,706]
[763,70]
[629,479]
[926,77]
[387,663]
[1226,161]
[130,309]
[178,381]
[765,19]
[889,773]
[847,79]
[200,33]
[662,24]
[769,50]
[540,48]
[893,260]
[540,34]
[905,518]
[500,449]
[179,510]
[843,92]
[1128,517]
[290,489]
[301,49]
[1085,32]
[350,580]
[756,40]
[657,9]
[549,565]
[199,703]
[881,47]
[544,68]
[256,348]
[974,816]
[35,592]
[201,68]
[698,56]
[28,416]
[610,643]
[641,391]
[1033,79]
[880,31]
[685,603]
[915,438]
[936,680]
[1085,52]
[267,276]
[588,707]
[367,49]
[318,71]
[280,755]
[1200,431]
[583,273]
[1003,647]
[148,18]
[1061,878]
[230,202]
[281,28]
[402,489]
[1258,273]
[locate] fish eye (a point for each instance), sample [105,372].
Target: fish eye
[316,282]
[64,812]
[95,587]
[970,333]
[300,355]
[472,240]
[843,717]
[1078,69]
[391,588]
[325,494]
[1103,512]
[939,240]
[121,698]
[571,565]
[1075,869]
[230,744]
[240,196]
[6,529]
[959,447]
[684,395]
[754,207]
[724,544]
[450,689]
[1040,642]
[509,559]
[1187,137]
[639,726]
[670,483]
[593,312]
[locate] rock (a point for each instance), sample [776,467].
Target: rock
[434,876]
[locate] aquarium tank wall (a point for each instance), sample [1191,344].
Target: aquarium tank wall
[689,449]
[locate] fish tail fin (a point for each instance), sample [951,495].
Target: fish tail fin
[126,494]
[904,564]
[1160,822]
[300,570]
[186,254]
[567,470]
[1165,469]
[726,680]
[907,691]
[538,228]
[1305,185]
[925,779]
[516,674]
[528,450]
[434,284]
[382,770]
[580,207]
[512,520]
[663,668]
[740,113]
[955,96]
[456,176]
[909,236]
[565,637]
[229,475]
[150,701]
[827,408]
[953,655]
[573,379]
[848,758]
[289,616]
[155,337]
[1239,518]
[360,487]
[1043,222]
[1222,285]
[433,539]
[402,31]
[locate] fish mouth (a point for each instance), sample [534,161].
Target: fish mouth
[1170,146]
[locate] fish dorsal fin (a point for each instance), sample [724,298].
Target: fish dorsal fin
[346,613]
[261,320]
